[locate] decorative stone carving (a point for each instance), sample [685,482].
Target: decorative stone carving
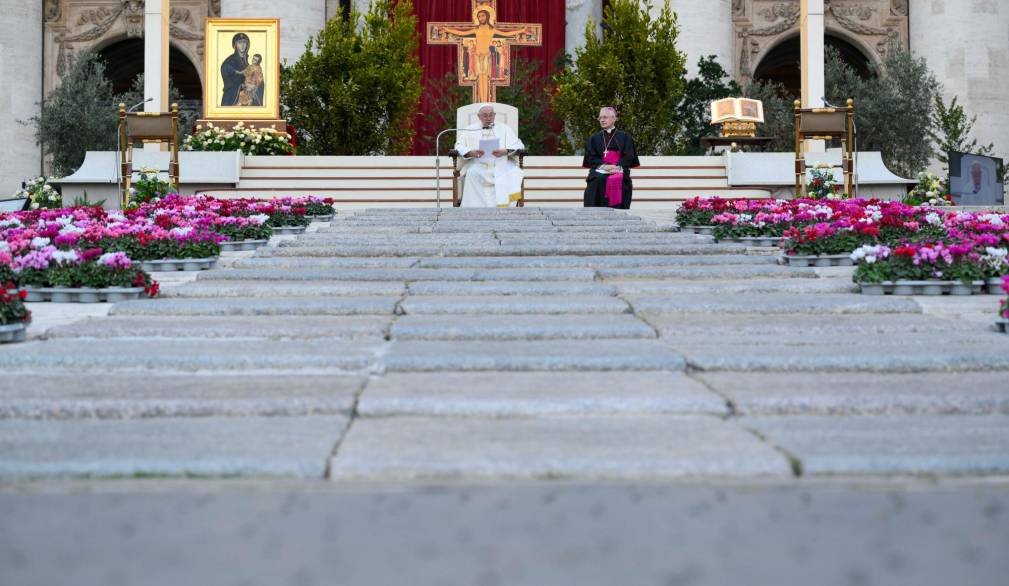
[876,26]
[76,25]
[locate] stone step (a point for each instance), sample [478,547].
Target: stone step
[861,393]
[511,304]
[529,288]
[420,274]
[576,355]
[296,447]
[257,262]
[229,327]
[849,356]
[167,355]
[584,447]
[236,288]
[133,395]
[356,305]
[608,262]
[706,272]
[497,250]
[770,303]
[722,287]
[535,394]
[976,445]
[519,327]
[867,325]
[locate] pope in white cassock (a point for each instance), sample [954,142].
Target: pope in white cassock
[490,179]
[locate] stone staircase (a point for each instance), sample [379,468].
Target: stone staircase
[410,181]
[536,343]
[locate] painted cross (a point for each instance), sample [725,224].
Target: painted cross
[484,47]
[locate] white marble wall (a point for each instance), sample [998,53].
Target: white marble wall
[20,91]
[966,44]
[705,29]
[299,20]
[578,13]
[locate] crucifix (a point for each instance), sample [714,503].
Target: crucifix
[484,47]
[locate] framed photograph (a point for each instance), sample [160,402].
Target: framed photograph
[241,69]
[975,179]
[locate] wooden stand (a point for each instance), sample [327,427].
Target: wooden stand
[146,127]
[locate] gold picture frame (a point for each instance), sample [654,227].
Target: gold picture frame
[251,90]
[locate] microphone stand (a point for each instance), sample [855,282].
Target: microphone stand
[437,159]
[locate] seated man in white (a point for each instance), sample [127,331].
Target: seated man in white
[489,178]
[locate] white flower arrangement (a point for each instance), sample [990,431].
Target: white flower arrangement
[249,140]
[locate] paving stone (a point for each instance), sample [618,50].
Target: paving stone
[510,288]
[356,305]
[771,303]
[586,447]
[519,327]
[861,393]
[723,287]
[707,272]
[531,356]
[130,396]
[167,355]
[892,444]
[511,262]
[228,327]
[322,274]
[205,446]
[521,394]
[238,288]
[511,304]
[651,261]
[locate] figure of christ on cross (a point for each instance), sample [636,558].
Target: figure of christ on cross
[483,33]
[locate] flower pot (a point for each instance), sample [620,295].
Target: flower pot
[903,288]
[798,261]
[13,332]
[872,288]
[85,295]
[288,230]
[62,295]
[322,218]
[933,289]
[237,245]
[959,288]
[33,294]
[995,286]
[117,294]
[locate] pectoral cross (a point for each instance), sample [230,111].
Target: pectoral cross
[484,47]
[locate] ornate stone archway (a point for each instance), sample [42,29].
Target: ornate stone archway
[72,26]
[875,26]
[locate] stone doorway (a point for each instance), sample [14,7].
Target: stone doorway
[781,63]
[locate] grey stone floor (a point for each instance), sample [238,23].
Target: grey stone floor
[530,353]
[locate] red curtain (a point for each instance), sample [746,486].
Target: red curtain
[438,60]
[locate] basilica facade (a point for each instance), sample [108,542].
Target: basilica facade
[966,43]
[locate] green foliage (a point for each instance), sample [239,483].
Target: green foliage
[779,114]
[139,250]
[78,116]
[529,92]
[235,232]
[893,110]
[952,129]
[356,88]
[635,68]
[82,201]
[148,186]
[695,110]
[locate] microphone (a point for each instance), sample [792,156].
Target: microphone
[138,104]
[826,103]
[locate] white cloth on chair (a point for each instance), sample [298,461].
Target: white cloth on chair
[496,183]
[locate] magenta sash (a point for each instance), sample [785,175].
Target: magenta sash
[614,181]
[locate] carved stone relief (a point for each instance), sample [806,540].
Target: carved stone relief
[875,26]
[72,26]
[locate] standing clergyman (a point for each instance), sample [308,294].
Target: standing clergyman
[610,154]
[490,178]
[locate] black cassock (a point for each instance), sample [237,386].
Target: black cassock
[595,189]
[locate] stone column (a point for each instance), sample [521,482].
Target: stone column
[299,20]
[20,92]
[705,29]
[578,13]
[156,14]
[811,40]
[967,47]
